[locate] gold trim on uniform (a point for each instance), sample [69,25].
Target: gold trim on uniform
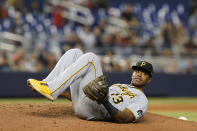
[75,74]
[94,68]
[125,90]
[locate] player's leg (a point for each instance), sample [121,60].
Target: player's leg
[94,71]
[82,105]
[82,66]
[66,60]
[86,79]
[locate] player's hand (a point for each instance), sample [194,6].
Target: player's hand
[97,90]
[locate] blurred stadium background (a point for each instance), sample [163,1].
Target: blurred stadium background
[35,33]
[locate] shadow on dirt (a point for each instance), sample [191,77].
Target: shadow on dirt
[51,111]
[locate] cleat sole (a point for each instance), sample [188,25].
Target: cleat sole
[35,89]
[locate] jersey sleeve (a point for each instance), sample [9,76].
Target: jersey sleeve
[138,110]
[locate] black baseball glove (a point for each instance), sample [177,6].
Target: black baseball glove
[97,90]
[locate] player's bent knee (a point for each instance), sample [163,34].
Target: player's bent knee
[91,56]
[75,50]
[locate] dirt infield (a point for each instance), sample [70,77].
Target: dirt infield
[59,117]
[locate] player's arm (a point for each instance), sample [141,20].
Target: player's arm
[124,116]
[97,91]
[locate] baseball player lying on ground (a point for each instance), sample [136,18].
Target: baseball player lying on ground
[91,98]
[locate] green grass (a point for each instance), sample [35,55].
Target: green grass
[191,116]
[152,100]
[172,100]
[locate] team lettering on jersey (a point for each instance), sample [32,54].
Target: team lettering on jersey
[117,97]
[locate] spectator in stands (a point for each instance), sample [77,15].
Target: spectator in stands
[32,63]
[3,12]
[106,61]
[192,5]
[124,40]
[181,36]
[102,26]
[87,37]
[79,46]
[124,65]
[189,67]
[98,36]
[133,38]
[17,24]
[100,4]
[18,5]
[51,57]
[172,68]
[148,47]
[120,63]
[4,62]
[168,37]
[47,59]
[36,6]
[18,59]
[108,40]
[193,20]
[69,40]
[127,13]
[88,3]
[190,47]
[158,42]
[136,27]
[57,17]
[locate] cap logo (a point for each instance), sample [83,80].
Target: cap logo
[143,64]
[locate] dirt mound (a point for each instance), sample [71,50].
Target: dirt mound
[60,117]
[188,107]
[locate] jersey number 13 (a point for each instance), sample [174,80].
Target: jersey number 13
[117,98]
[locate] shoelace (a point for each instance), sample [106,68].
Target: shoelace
[44,84]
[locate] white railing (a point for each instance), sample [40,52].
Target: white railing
[8,41]
[71,11]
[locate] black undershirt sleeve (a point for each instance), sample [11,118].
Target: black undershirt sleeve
[110,108]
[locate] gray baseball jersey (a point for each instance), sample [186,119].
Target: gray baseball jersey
[75,70]
[124,96]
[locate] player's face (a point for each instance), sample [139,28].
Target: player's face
[140,78]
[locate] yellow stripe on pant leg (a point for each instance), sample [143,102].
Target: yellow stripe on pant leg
[75,74]
[94,68]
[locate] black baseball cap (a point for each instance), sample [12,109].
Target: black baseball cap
[144,66]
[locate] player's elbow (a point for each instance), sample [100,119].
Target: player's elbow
[124,117]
